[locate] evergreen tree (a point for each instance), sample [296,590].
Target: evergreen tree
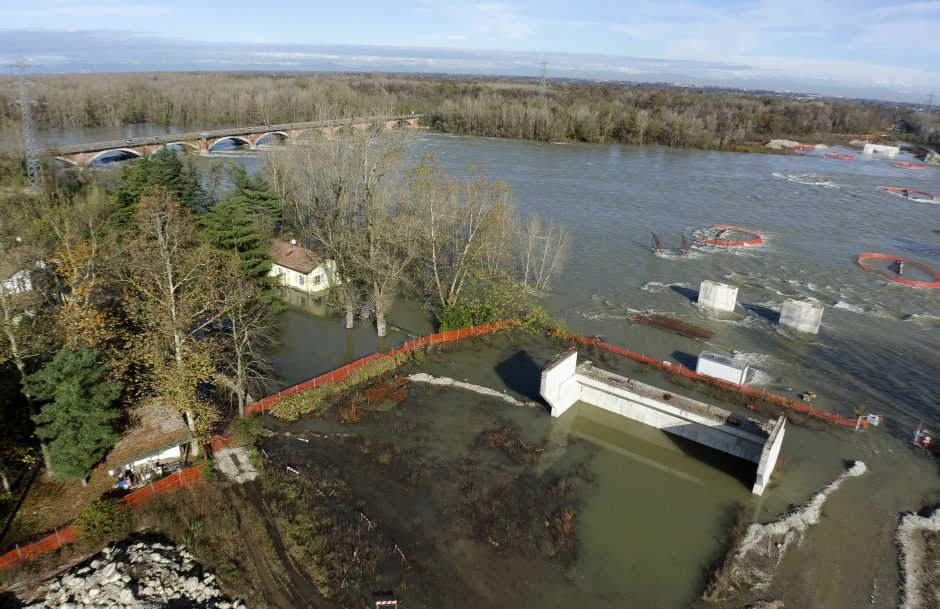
[229,226]
[165,170]
[262,200]
[77,420]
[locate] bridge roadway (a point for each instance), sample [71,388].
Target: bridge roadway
[82,154]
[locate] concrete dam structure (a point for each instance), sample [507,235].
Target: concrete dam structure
[564,383]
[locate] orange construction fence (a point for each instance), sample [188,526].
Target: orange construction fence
[343,372]
[779,400]
[70,533]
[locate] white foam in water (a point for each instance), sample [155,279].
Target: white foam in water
[914,557]
[421,377]
[760,552]
[809,179]
[759,378]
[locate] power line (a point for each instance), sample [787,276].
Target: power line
[30,141]
[544,64]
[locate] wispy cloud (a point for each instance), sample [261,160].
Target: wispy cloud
[117,50]
[91,10]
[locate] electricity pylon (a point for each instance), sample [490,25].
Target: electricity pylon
[30,141]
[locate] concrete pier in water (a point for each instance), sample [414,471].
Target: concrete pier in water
[801,316]
[564,383]
[717,296]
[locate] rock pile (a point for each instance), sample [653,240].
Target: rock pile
[137,574]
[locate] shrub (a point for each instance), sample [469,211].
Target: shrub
[245,430]
[315,400]
[104,520]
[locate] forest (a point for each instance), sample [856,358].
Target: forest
[498,107]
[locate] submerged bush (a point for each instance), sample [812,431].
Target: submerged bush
[315,400]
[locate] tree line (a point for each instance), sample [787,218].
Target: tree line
[154,284]
[573,111]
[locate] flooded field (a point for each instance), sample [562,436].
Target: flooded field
[653,512]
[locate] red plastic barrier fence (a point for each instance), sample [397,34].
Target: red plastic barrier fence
[862,258]
[70,533]
[757,239]
[773,398]
[343,372]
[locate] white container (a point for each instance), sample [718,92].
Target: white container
[721,367]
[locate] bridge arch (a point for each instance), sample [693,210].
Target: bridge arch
[128,154]
[271,135]
[187,146]
[237,139]
[67,161]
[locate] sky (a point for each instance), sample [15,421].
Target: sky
[886,49]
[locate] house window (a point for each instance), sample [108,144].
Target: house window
[300,279]
[317,279]
[278,271]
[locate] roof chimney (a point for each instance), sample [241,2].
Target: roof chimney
[293,241]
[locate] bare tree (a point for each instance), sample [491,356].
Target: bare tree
[250,335]
[543,251]
[463,227]
[344,196]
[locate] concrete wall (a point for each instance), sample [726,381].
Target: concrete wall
[717,296]
[563,383]
[801,316]
[559,384]
[768,458]
[707,431]
[889,151]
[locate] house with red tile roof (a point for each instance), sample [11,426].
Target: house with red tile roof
[300,268]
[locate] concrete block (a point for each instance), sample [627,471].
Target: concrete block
[888,151]
[801,316]
[717,296]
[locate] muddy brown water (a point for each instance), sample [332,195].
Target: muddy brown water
[655,512]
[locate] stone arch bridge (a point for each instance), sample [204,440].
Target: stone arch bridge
[83,155]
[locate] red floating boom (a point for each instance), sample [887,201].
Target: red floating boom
[907,165]
[907,192]
[757,239]
[863,262]
[839,155]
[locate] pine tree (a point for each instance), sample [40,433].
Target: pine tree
[163,170]
[229,226]
[77,420]
[262,200]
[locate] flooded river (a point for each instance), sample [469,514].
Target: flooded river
[659,512]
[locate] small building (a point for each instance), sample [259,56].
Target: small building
[157,444]
[728,369]
[300,268]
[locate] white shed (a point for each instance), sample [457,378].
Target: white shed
[722,367]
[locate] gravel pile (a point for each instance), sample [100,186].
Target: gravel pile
[139,575]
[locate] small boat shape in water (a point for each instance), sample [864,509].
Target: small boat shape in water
[839,155]
[906,165]
[911,194]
